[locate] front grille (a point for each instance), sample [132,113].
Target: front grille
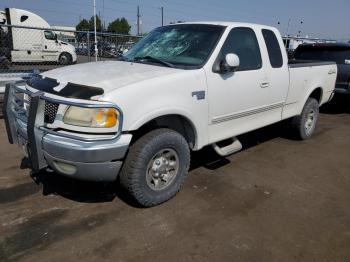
[50,112]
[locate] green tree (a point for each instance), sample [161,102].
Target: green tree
[119,26]
[83,25]
[98,23]
[89,24]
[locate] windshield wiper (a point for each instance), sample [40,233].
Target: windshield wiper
[152,59]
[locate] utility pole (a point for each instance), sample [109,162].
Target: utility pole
[288,27]
[99,16]
[103,17]
[162,10]
[301,25]
[138,20]
[96,50]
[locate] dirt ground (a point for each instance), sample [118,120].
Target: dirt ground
[277,200]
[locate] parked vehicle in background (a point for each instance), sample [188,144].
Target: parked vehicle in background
[180,88]
[105,49]
[337,52]
[292,42]
[25,45]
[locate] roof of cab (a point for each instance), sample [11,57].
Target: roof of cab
[228,24]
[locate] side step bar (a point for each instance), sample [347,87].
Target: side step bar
[234,147]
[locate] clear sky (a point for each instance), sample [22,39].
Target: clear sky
[321,18]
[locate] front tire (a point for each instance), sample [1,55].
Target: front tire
[304,125]
[155,167]
[65,59]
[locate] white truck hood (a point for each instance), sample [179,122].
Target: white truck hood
[108,75]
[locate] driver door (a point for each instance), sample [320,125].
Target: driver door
[50,45]
[238,100]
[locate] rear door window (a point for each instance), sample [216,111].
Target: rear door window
[273,48]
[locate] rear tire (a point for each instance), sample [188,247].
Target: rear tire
[304,125]
[155,167]
[5,64]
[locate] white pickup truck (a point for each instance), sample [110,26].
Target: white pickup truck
[182,87]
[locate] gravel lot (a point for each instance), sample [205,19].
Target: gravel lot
[277,200]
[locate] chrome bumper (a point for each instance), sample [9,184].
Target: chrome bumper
[66,153]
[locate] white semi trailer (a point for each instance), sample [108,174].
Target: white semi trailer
[27,37]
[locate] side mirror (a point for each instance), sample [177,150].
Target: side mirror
[125,50]
[230,63]
[55,37]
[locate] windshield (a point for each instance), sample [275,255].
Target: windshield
[183,46]
[340,56]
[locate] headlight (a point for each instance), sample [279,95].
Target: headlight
[91,117]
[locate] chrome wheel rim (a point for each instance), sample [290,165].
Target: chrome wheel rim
[162,169]
[310,121]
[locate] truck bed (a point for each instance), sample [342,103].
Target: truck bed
[305,76]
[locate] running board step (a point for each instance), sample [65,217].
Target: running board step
[234,147]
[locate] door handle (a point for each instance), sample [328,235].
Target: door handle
[265,85]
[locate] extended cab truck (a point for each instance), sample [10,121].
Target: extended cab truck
[22,42]
[180,88]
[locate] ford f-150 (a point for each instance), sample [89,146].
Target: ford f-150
[180,88]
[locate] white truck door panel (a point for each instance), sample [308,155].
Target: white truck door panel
[277,70]
[50,46]
[238,100]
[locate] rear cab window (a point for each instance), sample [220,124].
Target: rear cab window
[273,48]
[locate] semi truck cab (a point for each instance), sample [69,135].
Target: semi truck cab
[27,37]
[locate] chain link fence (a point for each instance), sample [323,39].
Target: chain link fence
[24,49]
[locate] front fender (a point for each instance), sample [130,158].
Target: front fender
[70,50]
[199,129]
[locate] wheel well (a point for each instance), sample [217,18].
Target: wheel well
[66,53]
[177,123]
[317,94]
